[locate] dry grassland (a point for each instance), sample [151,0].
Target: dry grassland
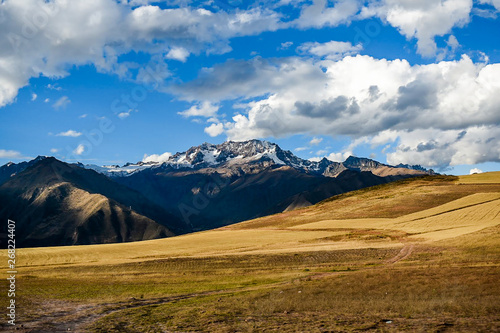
[415,255]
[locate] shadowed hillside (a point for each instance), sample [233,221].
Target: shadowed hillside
[54,203]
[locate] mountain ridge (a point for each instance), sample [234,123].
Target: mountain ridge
[205,187]
[55,203]
[209,155]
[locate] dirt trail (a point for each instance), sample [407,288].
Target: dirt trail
[74,318]
[405,252]
[67,317]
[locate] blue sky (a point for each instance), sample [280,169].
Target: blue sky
[107,82]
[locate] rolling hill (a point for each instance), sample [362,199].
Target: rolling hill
[418,254]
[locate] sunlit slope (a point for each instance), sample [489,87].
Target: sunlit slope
[393,200]
[481,178]
[418,210]
[459,217]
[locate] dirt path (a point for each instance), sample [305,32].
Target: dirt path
[67,317]
[405,252]
[74,318]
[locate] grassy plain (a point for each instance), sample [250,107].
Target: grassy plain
[415,255]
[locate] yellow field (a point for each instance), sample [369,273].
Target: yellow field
[423,253]
[481,178]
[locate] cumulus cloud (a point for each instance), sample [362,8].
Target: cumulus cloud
[157,158]
[495,3]
[320,14]
[214,129]
[252,78]
[423,20]
[178,53]
[33,97]
[475,170]
[375,101]
[54,150]
[47,38]
[339,157]
[70,133]
[440,149]
[42,38]
[333,50]
[205,109]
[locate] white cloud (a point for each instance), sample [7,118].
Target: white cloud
[285,45]
[440,149]
[315,141]
[423,20]
[300,148]
[54,150]
[53,87]
[453,43]
[252,78]
[178,53]
[70,133]
[83,116]
[319,14]
[367,99]
[79,150]
[449,52]
[475,170]
[214,129]
[62,102]
[81,32]
[339,157]
[321,152]
[46,100]
[495,3]
[157,158]
[33,97]
[123,115]
[333,50]
[12,154]
[205,109]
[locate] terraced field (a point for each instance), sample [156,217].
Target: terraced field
[415,255]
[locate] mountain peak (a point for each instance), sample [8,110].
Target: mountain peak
[233,153]
[357,162]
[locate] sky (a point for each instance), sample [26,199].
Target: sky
[110,82]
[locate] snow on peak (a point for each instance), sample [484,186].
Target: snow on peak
[208,155]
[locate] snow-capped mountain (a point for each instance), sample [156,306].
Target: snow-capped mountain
[205,187]
[232,153]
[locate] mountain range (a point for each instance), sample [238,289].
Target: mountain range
[208,186]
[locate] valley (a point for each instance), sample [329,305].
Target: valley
[418,254]
[206,187]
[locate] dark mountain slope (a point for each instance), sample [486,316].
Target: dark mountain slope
[54,203]
[209,198]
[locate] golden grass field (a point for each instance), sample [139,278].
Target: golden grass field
[415,255]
